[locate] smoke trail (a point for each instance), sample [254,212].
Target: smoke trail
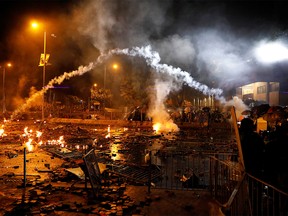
[152,59]
[57,80]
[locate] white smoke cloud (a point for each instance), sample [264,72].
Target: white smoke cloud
[238,104]
[93,19]
[121,24]
[176,50]
[157,110]
[202,41]
[223,56]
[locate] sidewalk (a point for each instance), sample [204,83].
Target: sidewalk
[174,202]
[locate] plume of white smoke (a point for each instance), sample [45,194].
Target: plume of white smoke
[124,23]
[157,109]
[239,105]
[222,56]
[94,20]
[176,50]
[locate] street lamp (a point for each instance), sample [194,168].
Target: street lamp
[115,67]
[43,62]
[3,86]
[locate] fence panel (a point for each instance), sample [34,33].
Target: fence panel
[183,170]
[242,194]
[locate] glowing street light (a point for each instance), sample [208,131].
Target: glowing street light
[271,52]
[115,66]
[3,86]
[43,62]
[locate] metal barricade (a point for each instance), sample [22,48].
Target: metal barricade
[242,194]
[237,192]
[183,170]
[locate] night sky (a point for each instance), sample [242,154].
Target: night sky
[212,40]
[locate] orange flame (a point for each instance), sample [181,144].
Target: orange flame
[29,145]
[168,126]
[2,131]
[108,130]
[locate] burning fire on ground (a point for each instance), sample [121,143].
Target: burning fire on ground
[33,140]
[168,126]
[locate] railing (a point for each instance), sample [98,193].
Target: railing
[184,170]
[242,194]
[237,192]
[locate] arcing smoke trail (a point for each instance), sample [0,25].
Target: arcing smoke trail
[152,59]
[57,80]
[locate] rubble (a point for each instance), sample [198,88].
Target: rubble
[57,182]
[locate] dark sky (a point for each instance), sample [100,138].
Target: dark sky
[209,39]
[15,14]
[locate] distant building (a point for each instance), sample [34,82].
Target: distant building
[272,93]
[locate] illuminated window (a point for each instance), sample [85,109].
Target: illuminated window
[261,89]
[274,86]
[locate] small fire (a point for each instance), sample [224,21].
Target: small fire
[109,132]
[29,145]
[38,134]
[33,139]
[168,126]
[156,127]
[2,131]
[60,142]
[27,133]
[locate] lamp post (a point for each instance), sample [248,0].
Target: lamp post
[3,86]
[43,62]
[115,67]
[104,87]
[44,71]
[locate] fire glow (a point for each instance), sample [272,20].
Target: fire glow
[168,126]
[109,132]
[33,140]
[2,131]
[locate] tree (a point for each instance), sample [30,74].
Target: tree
[133,91]
[101,95]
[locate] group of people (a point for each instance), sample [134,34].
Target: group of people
[265,161]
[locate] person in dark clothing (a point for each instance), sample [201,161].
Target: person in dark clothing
[276,158]
[253,148]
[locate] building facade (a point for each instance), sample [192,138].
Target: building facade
[272,93]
